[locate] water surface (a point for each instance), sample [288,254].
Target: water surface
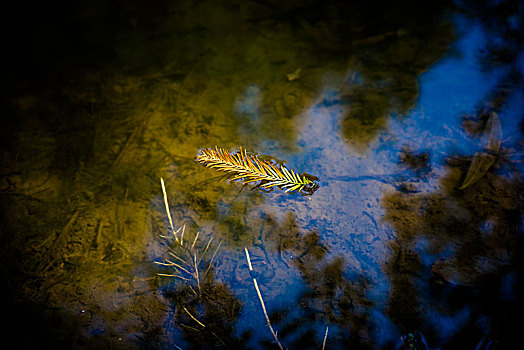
[411,118]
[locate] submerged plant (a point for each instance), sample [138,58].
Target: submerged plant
[186,259]
[205,309]
[250,168]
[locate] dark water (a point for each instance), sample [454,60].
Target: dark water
[411,115]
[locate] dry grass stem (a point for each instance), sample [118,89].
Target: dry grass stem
[189,327]
[182,234]
[255,283]
[167,209]
[176,257]
[176,276]
[187,256]
[212,258]
[196,273]
[194,241]
[194,318]
[325,338]
[205,249]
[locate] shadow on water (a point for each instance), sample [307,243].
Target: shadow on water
[102,99]
[330,297]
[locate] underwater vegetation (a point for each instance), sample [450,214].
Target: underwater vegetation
[205,309]
[251,169]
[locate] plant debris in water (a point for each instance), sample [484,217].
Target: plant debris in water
[251,169]
[484,160]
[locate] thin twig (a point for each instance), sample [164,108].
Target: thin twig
[262,302]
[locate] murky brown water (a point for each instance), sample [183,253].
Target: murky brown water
[410,116]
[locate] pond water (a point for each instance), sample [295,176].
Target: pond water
[410,115]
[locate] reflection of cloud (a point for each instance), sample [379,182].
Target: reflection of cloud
[248,104]
[246,109]
[456,84]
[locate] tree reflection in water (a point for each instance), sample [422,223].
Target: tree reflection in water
[468,242]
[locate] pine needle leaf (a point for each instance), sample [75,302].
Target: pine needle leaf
[242,165]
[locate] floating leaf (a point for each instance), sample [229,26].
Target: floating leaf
[481,162]
[251,169]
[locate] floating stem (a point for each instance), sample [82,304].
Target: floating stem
[255,283]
